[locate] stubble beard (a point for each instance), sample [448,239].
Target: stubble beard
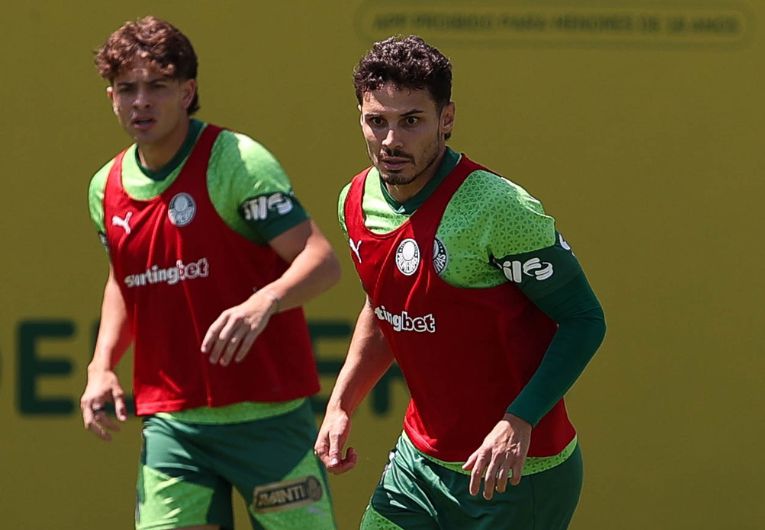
[398,179]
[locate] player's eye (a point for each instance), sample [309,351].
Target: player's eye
[376,121]
[411,120]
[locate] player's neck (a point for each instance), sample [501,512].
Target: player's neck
[155,155]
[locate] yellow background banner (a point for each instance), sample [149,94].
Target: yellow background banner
[638,124]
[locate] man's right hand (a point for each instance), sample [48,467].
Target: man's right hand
[103,387]
[333,435]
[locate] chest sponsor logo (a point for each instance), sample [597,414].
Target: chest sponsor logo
[122,222]
[287,494]
[440,257]
[404,322]
[408,257]
[535,268]
[259,208]
[182,209]
[356,248]
[181,272]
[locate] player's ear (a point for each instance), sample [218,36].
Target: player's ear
[110,95]
[447,118]
[361,116]
[188,89]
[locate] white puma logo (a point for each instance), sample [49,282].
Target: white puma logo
[124,223]
[355,248]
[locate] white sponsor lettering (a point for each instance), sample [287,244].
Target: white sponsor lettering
[286,495]
[257,209]
[170,275]
[535,268]
[404,322]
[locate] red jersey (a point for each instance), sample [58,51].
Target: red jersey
[179,266]
[465,353]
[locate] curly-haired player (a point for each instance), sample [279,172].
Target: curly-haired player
[211,256]
[478,298]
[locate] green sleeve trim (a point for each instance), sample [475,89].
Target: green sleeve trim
[542,271]
[276,226]
[250,190]
[581,328]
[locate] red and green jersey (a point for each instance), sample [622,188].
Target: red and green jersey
[247,186]
[492,233]
[179,264]
[465,353]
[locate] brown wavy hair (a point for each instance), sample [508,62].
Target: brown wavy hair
[407,62]
[152,39]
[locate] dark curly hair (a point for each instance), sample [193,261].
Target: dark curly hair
[407,62]
[155,40]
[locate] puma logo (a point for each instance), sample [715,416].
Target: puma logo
[124,223]
[355,248]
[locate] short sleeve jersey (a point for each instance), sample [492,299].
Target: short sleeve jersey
[250,191]
[247,185]
[489,222]
[492,231]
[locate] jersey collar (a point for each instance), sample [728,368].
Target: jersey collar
[195,126]
[450,160]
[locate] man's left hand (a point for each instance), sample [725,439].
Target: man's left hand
[500,457]
[232,334]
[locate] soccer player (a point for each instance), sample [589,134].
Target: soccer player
[211,256]
[478,298]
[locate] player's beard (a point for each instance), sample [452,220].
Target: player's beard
[400,179]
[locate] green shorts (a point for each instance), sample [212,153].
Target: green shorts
[188,469]
[416,493]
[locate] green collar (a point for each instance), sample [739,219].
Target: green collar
[161,174]
[450,160]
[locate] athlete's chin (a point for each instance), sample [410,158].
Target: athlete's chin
[394,178]
[143,137]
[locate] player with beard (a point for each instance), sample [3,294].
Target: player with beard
[477,297]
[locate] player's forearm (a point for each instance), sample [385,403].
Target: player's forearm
[367,361]
[114,335]
[581,328]
[313,270]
